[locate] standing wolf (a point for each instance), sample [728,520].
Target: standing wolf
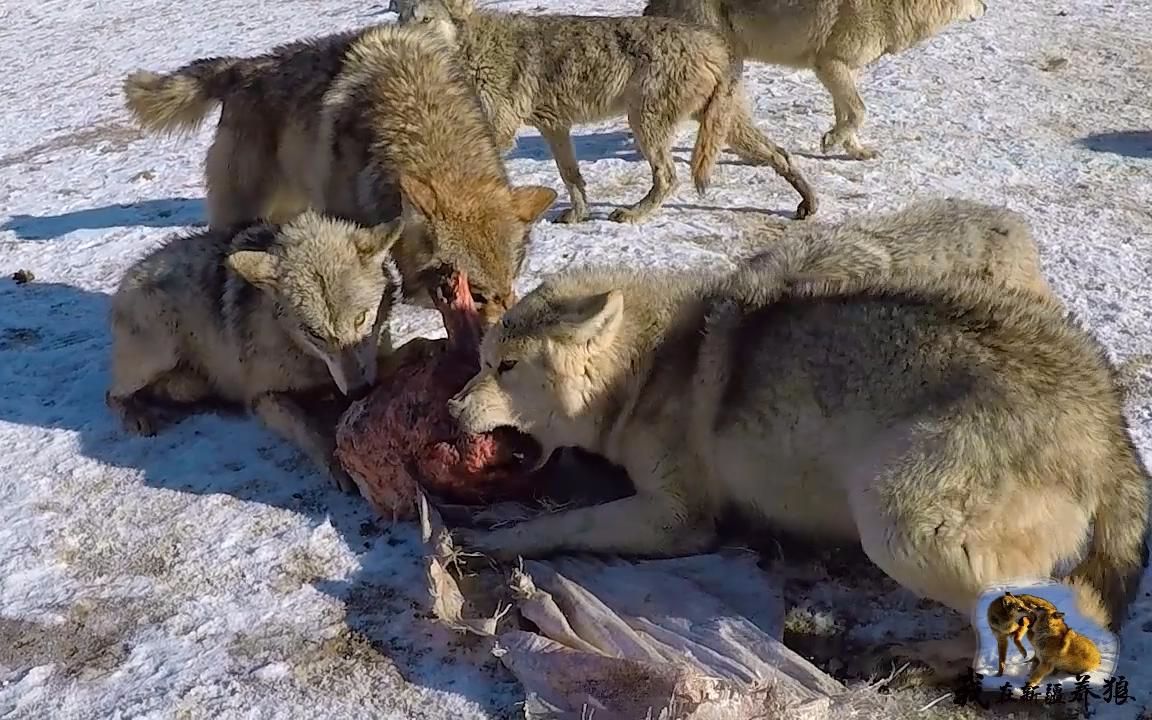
[556,71]
[259,315]
[965,432]
[834,38]
[365,125]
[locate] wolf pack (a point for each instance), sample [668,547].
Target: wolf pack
[906,381]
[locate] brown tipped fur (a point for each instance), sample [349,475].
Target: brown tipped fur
[834,38]
[344,124]
[1059,648]
[965,432]
[173,103]
[401,121]
[554,72]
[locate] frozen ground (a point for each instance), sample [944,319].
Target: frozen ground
[209,572]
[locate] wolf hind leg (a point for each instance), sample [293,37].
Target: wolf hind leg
[653,129]
[239,171]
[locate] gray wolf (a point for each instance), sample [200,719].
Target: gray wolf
[965,433]
[936,235]
[834,38]
[556,71]
[260,315]
[366,125]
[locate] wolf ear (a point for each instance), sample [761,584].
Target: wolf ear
[373,243]
[530,201]
[1007,594]
[418,194]
[594,318]
[1058,615]
[255,266]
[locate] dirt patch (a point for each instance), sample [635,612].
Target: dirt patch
[91,642]
[112,136]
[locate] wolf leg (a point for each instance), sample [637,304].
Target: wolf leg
[644,525]
[754,147]
[238,172]
[139,360]
[653,134]
[840,81]
[560,141]
[281,414]
[1001,652]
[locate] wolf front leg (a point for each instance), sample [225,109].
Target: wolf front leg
[840,81]
[560,142]
[284,416]
[644,524]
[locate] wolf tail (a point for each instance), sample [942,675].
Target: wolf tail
[715,119]
[179,101]
[1118,553]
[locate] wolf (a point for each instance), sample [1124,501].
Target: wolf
[365,125]
[964,432]
[833,38]
[1011,616]
[260,315]
[933,235]
[556,71]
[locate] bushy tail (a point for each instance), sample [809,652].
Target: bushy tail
[712,136]
[179,101]
[1118,553]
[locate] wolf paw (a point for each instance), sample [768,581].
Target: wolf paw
[628,215]
[571,216]
[805,209]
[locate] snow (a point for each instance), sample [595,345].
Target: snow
[211,572]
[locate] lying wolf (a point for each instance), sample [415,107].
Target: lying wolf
[939,235]
[834,38]
[965,432]
[557,71]
[259,315]
[364,125]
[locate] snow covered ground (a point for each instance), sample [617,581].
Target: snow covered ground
[210,572]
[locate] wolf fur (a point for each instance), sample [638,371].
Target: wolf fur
[936,235]
[364,125]
[259,315]
[966,433]
[556,71]
[834,38]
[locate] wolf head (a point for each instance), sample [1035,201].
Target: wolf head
[1046,624]
[546,368]
[436,15]
[333,284]
[1016,607]
[484,233]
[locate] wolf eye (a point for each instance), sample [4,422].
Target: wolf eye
[361,318]
[505,366]
[479,298]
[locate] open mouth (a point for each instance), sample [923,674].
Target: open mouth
[522,451]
